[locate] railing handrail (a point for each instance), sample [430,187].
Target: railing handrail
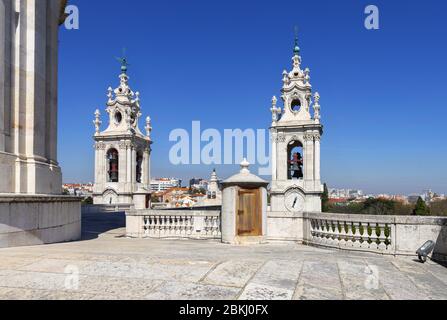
[197,213]
[392,219]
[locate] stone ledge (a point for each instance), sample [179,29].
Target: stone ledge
[16,198]
[39,219]
[172,213]
[416,220]
[281,214]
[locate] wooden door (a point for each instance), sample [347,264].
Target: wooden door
[249,219]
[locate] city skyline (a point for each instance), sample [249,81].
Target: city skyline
[372,123]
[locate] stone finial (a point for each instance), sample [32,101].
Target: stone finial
[148,127]
[110,93]
[296,63]
[306,75]
[275,110]
[285,77]
[245,166]
[213,176]
[317,107]
[97,122]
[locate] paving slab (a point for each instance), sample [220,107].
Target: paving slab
[234,273]
[319,280]
[360,281]
[192,291]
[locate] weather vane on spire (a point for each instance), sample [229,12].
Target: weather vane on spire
[123,61]
[296,49]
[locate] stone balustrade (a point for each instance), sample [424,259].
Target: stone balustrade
[352,232]
[392,235]
[192,224]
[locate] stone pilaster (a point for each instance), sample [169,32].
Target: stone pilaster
[129,164]
[273,152]
[308,157]
[317,175]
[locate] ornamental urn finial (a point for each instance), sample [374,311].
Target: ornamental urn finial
[97,122]
[317,107]
[245,166]
[148,127]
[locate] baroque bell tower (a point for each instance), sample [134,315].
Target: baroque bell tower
[122,152]
[296,131]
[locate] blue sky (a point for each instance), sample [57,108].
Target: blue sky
[383,92]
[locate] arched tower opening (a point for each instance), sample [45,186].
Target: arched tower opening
[139,166]
[113,165]
[296,105]
[295,160]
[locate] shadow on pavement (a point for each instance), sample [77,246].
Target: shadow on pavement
[95,224]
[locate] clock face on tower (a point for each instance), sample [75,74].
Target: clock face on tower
[294,201]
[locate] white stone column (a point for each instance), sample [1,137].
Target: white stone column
[52,81]
[96,163]
[308,157]
[273,153]
[146,168]
[317,175]
[122,162]
[35,80]
[103,166]
[3,85]
[129,164]
[134,166]
[281,160]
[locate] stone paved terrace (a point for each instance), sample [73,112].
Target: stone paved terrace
[113,267]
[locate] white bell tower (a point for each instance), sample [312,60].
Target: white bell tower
[296,130]
[122,152]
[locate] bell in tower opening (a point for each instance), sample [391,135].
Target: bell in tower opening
[296,131]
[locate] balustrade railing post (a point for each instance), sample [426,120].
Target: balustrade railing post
[393,237]
[374,238]
[343,235]
[356,236]
[336,234]
[365,235]
[382,237]
[350,234]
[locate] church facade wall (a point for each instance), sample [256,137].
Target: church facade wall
[32,209]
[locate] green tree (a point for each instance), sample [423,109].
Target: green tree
[379,206]
[87,201]
[155,199]
[197,191]
[325,199]
[439,208]
[421,208]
